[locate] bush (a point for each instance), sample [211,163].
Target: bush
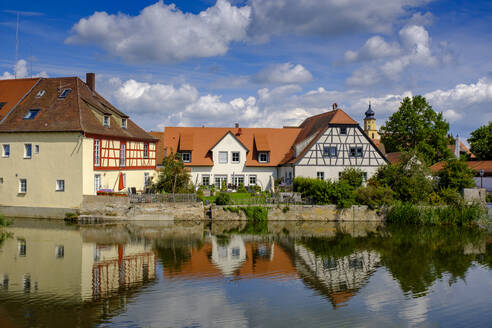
[223,186]
[223,199]
[374,196]
[4,222]
[451,196]
[241,188]
[455,175]
[326,192]
[353,177]
[285,209]
[488,198]
[459,215]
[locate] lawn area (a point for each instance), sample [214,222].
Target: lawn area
[240,198]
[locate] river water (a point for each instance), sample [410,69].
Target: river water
[281,274]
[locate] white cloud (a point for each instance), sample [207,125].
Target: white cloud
[20,71]
[163,33]
[283,73]
[374,48]
[325,18]
[463,94]
[364,76]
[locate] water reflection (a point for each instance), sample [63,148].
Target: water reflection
[179,274]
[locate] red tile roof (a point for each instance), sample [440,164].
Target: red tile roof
[474,165]
[12,91]
[75,112]
[205,139]
[463,148]
[394,158]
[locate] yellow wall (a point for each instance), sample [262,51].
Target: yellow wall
[59,158]
[370,128]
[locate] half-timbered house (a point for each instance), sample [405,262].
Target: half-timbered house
[320,147]
[61,140]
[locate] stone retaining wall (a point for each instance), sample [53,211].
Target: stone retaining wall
[304,213]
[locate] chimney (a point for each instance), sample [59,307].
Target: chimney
[237,125]
[90,80]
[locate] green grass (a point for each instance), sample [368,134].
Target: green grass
[237,198]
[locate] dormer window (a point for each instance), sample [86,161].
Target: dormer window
[106,121]
[263,157]
[40,93]
[31,114]
[235,157]
[64,93]
[123,123]
[186,156]
[343,131]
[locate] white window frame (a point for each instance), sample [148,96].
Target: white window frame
[221,177]
[59,251]
[22,186]
[320,175]
[146,150]
[106,121]
[26,146]
[238,157]
[329,152]
[236,181]
[146,179]
[356,151]
[97,152]
[188,153]
[123,123]
[255,180]
[97,183]
[4,152]
[267,157]
[36,149]
[226,154]
[122,155]
[207,177]
[60,185]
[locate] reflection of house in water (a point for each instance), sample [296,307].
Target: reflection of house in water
[337,278]
[49,261]
[238,256]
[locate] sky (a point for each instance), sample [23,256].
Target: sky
[260,63]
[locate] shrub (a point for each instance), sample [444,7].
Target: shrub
[353,177]
[241,188]
[223,199]
[256,214]
[451,196]
[4,222]
[285,209]
[223,186]
[374,196]
[326,192]
[455,175]
[488,198]
[71,215]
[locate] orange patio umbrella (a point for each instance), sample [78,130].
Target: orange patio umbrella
[121,184]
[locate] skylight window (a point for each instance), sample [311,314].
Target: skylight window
[2,104]
[31,114]
[40,93]
[64,93]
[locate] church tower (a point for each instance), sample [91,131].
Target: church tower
[370,124]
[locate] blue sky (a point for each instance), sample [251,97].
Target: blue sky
[261,62]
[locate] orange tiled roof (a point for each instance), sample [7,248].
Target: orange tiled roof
[72,113]
[394,158]
[476,166]
[12,91]
[463,148]
[279,140]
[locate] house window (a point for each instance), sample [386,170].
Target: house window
[146,150]
[343,130]
[252,180]
[122,155]
[355,151]
[146,179]
[59,251]
[27,150]
[364,175]
[6,151]
[21,247]
[330,151]
[106,121]
[263,157]
[186,157]
[36,149]
[60,185]
[22,186]
[64,93]
[235,252]
[31,114]
[238,180]
[205,180]
[320,175]
[235,157]
[219,180]
[123,123]
[97,152]
[97,182]
[222,157]
[372,135]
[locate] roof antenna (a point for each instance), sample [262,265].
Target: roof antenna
[16,45]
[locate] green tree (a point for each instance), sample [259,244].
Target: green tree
[353,177]
[455,175]
[173,177]
[417,126]
[481,142]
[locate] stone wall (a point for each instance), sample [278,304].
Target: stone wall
[305,213]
